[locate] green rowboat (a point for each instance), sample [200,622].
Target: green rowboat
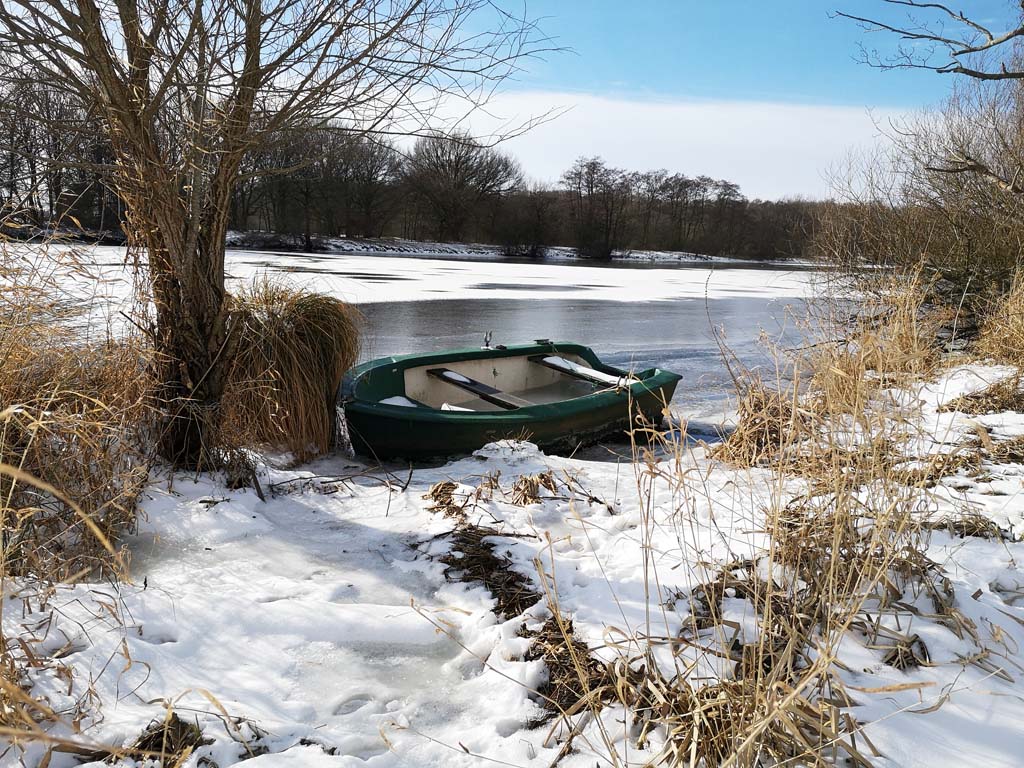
[558,395]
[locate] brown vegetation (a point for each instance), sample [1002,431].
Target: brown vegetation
[292,350]
[72,414]
[833,561]
[891,339]
[78,428]
[847,526]
[75,422]
[1002,335]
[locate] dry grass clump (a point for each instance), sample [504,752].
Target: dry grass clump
[526,489]
[71,416]
[1005,451]
[449,498]
[18,711]
[576,681]
[292,349]
[839,543]
[443,500]
[474,559]
[1002,332]
[792,433]
[172,740]
[741,723]
[74,427]
[894,336]
[969,523]
[169,742]
[69,434]
[767,420]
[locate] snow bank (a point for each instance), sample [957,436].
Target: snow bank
[322,622]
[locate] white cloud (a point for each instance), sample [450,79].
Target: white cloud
[770,149]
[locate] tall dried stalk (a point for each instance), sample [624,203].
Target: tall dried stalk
[1002,335]
[75,422]
[842,524]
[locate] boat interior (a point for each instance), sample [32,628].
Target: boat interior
[505,383]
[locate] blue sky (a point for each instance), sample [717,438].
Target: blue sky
[766,93]
[765,50]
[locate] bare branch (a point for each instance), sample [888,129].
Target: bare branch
[964,47]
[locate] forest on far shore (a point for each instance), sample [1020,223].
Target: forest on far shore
[328,182]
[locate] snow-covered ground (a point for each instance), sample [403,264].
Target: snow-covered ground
[322,625]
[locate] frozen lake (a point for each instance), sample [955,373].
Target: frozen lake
[633,314]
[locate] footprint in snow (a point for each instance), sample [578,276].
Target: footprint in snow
[370,751]
[158,638]
[355,703]
[274,598]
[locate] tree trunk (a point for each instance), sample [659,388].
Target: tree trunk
[191,341]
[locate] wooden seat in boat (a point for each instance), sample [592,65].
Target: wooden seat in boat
[577,371]
[478,388]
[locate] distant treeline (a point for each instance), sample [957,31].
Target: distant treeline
[326,183]
[454,190]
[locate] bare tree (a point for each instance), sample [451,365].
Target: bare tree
[977,135]
[935,37]
[453,175]
[600,198]
[186,89]
[527,222]
[649,187]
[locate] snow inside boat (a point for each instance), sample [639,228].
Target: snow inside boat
[557,395]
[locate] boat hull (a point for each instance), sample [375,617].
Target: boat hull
[388,431]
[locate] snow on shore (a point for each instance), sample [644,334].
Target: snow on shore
[324,616]
[322,622]
[397,246]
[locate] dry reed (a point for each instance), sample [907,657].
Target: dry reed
[72,412]
[474,558]
[893,337]
[74,415]
[841,556]
[834,553]
[1002,331]
[292,350]
[767,419]
[1004,395]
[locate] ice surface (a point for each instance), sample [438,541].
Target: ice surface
[369,279]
